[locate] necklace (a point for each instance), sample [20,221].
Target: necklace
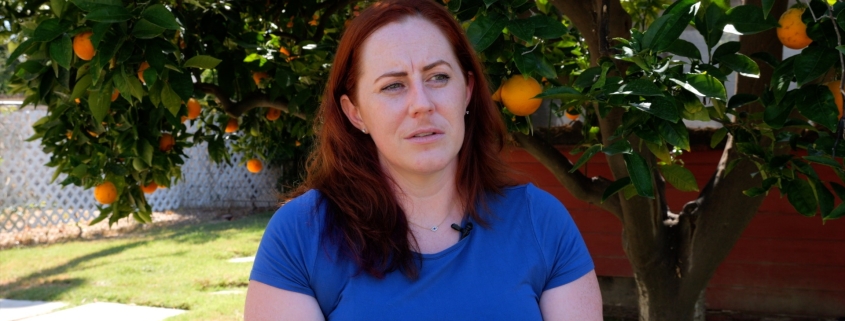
[433,228]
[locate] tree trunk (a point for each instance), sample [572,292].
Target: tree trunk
[673,256]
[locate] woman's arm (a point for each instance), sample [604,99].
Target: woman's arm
[264,303]
[576,300]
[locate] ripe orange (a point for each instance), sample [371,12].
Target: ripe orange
[149,189]
[497,96]
[82,46]
[194,109]
[258,76]
[144,66]
[837,96]
[232,125]
[314,20]
[284,51]
[114,95]
[166,142]
[792,31]
[105,193]
[518,95]
[254,165]
[572,114]
[69,134]
[77,101]
[290,22]
[297,144]
[273,114]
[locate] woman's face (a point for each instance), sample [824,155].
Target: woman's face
[411,98]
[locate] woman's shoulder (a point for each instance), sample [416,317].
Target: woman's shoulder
[528,194]
[302,211]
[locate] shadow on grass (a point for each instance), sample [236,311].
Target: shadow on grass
[48,284]
[210,231]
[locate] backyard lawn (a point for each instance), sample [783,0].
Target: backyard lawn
[183,266]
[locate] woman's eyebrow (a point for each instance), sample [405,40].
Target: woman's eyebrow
[402,73]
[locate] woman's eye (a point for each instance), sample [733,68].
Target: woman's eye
[440,77]
[393,86]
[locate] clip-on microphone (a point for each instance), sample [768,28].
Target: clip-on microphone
[464,231]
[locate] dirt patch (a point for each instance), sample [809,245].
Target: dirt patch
[81,230]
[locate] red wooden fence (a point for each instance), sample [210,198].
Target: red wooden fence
[784,263]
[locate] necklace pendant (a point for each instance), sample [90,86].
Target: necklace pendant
[434,229]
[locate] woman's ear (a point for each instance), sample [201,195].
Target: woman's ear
[470,86]
[352,113]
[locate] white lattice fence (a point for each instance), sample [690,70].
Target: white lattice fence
[28,200]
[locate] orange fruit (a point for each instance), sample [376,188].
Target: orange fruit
[497,96]
[837,96]
[314,20]
[149,189]
[105,193]
[194,109]
[518,95]
[290,22]
[114,95]
[82,46]
[166,142]
[297,144]
[792,32]
[284,51]
[571,114]
[144,66]
[273,114]
[232,125]
[254,165]
[69,134]
[77,101]
[258,76]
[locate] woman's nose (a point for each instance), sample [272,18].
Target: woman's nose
[420,100]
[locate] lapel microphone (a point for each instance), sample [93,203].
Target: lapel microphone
[464,231]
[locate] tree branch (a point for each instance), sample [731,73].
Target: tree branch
[582,187]
[236,109]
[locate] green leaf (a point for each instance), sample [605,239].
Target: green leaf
[170,99]
[675,133]
[586,157]
[740,100]
[838,212]
[703,85]
[58,7]
[201,61]
[110,14]
[621,146]
[159,15]
[813,62]
[182,84]
[680,177]
[145,29]
[615,187]
[749,19]
[639,87]
[728,48]
[816,103]
[49,29]
[660,151]
[718,136]
[61,50]
[839,189]
[801,196]
[98,102]
[640,174]
[767,7]
[23,47]
[88,5]
[484,30]
[742,64]
[136,89]
[824,160]
[546,27]
[146,152]
[81,87]
[684,48]
[522,29]
[563,93]
[669,27]
[823,196]
[661,107]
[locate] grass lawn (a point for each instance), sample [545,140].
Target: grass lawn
[179,267]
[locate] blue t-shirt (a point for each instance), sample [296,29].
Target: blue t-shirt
[495,273]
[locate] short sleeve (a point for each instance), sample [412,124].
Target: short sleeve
[287,250]
[563,248]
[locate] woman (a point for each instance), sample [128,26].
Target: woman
[407,147]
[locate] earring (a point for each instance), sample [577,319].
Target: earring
[364,130]
[467,112]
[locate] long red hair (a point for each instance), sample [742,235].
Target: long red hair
[363,215]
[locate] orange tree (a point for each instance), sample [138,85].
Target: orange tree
[246,60]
